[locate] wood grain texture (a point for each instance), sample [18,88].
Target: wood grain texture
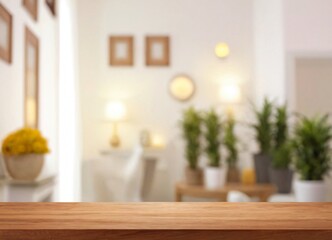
[165,235]
[170,216]
[147,221]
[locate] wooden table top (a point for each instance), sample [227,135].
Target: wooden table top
[166,216]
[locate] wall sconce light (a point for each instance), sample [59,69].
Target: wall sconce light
[182,87]
[115,112]
[222,50]
[230,94]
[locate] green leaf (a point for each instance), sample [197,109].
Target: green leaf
[191,132]
[212,134]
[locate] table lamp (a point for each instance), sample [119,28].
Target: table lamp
[115,112]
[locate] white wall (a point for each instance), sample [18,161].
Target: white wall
[12,77]
[308,25]
[194,28]
[308,35]
[269,50]
[284,29]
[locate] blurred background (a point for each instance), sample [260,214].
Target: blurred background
[155,100]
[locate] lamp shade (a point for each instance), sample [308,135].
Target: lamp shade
[116,111]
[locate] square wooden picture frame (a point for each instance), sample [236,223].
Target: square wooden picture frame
[31,95]
[157,51]
[121,50]
[6,34]
[32,7]
[52,5]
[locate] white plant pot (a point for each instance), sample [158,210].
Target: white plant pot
[214,178]
[310,191]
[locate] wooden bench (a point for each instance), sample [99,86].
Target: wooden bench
[166,221]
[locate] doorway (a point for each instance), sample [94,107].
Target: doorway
[310,88]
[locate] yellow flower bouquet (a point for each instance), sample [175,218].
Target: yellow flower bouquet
[24,152]
[25,141]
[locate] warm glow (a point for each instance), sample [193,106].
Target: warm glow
[31,113]
[222,50]
[182,88]
[230,93]
[158,141]
[116,111]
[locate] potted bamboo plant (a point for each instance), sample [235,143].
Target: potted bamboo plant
[24,152]
[230,142]
[215,174]
[191,132]
[263,128]
[312,157]
[280,173]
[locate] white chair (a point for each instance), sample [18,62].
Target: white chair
[118,179]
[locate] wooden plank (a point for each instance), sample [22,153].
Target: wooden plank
[164,235]
[174,216]
[209,221]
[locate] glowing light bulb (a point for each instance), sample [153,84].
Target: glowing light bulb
[222,50]
[230,93]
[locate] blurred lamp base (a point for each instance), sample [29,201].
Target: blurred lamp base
[115,139]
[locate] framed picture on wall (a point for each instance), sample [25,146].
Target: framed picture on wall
[6,26]
[121,50]
[31,101]
[157,51]
[32,7]
[52,6]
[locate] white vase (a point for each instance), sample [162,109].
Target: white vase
[214,177]
[310,191]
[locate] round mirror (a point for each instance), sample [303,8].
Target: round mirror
[182,87]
